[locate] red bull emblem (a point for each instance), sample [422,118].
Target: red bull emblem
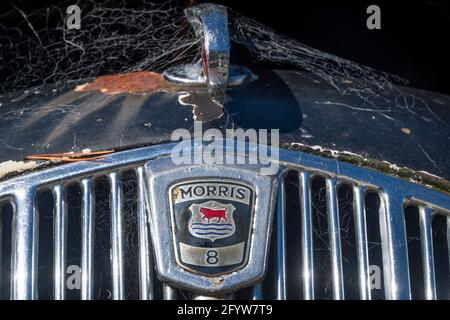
[212,220]
[211,214]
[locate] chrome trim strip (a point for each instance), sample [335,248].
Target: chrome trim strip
[87,240]
[116,203]
[427,252]
[361,242]
[307,240]
[60,242]
[145,255]
[281,241]
[335,239]
[292,159]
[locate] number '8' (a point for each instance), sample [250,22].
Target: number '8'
[212,256]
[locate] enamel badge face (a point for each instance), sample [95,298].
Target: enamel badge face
[210,225]
[211,222]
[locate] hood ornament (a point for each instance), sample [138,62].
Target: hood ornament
[210,23]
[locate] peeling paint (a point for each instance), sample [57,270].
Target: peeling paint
[391,165]
[320,149]
[430,174]
[13,167]
[406,130]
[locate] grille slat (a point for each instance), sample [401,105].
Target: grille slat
[307,242]
[448,244]
[425,215]
[169,293]
[117,254]
[24,247]
[87,240]
[145,258]
[335,240]
[361,243]
[281,242]
[395,251]
[60,242]
[257,292]
[2,234]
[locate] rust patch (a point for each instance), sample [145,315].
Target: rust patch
[141,83]
[146,82]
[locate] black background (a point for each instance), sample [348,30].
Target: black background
[412,42]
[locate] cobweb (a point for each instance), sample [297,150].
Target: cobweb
[381,91]
[119,37]
[345,75]
[113,38]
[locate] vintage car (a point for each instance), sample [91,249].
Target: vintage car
[217,179]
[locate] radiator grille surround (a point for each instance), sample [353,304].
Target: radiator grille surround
[333,223]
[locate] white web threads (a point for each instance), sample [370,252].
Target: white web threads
[111,40]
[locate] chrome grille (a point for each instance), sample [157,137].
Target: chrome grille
[392,232]
[393,193]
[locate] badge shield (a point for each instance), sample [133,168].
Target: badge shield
[211,224]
